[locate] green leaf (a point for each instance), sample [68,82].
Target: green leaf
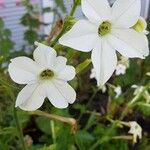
[91,121]
[1,24]
[144,108]
[83,139]
[30,36]
[29,20]
[5,46]
[7,33]
[82,65]
[43,124]
[60,3]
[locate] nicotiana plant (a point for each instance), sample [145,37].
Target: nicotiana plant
[113,34]
[108,29]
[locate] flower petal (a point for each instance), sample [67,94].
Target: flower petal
[60,63]
[96,10]
[82,36]
[125,13]
[55,96]
[66,74]
[44,55]
[129,43]
[67,91]
[31,97]
[104,60]
[23,70]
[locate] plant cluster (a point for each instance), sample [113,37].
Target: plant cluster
[72,99]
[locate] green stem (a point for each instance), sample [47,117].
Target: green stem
[92,97]
[20,134]
[132,102]
[62,31]
[75,4]
[53,133]
[70,121]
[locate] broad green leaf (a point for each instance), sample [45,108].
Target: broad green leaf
[44,124]
[83,139]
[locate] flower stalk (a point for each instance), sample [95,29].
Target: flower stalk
[64,27]
[132,102]
[19,129]
[71,121]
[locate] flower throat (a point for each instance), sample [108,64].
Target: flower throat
[46,74]
[104,28]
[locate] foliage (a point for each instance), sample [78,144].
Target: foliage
[5,41]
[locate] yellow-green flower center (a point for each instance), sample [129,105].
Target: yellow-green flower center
[46,74]
[140,25]
[104,28]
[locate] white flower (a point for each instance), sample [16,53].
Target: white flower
[104,89]
[148,73]
[45,76]
[118,91]
[120,69]
[92,75]
[108,29]
[136,130]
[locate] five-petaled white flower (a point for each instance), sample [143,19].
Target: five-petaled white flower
[135,130]
[118,91]
[47,76]
[108,29]
[120,69]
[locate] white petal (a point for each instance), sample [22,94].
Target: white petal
[126,12]
[31,97]
[104,60]
[56,96]
[60,63]
[23,70]
[67,91]
[129,43]
[66,74]
[82,36]
[96,10]
[44,55]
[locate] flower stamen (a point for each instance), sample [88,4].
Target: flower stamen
[104,28]
[46,74]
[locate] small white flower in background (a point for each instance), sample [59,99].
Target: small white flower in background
[120,69]
[118,91]
[134,86]
[108,29]
[47,76]
[135,130]
[104,89]
[93,74]
[122,66]
[148,73]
